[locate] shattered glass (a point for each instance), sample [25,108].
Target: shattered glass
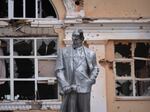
[142,88]
[123,50]
[124,88]
[142,68]
[142,49]
[123,69]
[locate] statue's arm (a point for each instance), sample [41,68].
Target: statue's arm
[60,73]
[95,69]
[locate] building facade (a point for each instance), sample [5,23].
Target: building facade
[31,31]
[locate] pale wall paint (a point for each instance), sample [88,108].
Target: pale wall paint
[117,8]
[110,8]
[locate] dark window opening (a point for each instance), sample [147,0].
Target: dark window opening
[23,47]
[124,88]
[46,91]
[18,8]
[46,47]
[45,9]
[4,46]
[123,50]
[3,8]
[123,69]
[7,64]
[30,8]
[24,90]
[4,63]
[4,90]
[142,50]
[142,88]
[24,68]
[142,69]
[4,68]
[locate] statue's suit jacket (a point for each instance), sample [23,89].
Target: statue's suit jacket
[84,74]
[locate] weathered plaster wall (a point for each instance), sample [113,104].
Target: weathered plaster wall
[59,8]
[27,31]
[117,8]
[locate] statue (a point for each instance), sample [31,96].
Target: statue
[76,72]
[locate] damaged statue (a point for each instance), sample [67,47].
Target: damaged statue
[76,72]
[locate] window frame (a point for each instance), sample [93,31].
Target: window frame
[11,11]
[35,57]
[132,77]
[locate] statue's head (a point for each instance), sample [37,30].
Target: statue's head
[77,38]
[78,33]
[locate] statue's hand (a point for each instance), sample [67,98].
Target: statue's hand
[67,89]
[74,88]
[91,81]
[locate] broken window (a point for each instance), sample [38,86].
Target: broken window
[123,69]
[4,47]
[5,90]
[24,90]
[27,66]
[142,49]
[124,88]
[3,8]
[142,88]
[23,47]
[142,68]
[4,68]
[30,9]
[33,9]
[18,8]
[27,9]
[47,91]
[24,68]
[45,9]
[132,68]
[46,47]
[4,60]
[123,50]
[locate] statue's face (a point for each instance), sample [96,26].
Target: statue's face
[77,41]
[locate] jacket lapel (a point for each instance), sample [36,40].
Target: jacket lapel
[80,61]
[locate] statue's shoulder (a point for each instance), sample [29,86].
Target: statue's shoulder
[89,51]
[65,50]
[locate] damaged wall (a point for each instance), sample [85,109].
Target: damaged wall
[117,8]
[20,28]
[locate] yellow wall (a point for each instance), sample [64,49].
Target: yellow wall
[59,8]
[110,8]
[117,8]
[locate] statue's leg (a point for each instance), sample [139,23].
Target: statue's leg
[83,102]
[69,103]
